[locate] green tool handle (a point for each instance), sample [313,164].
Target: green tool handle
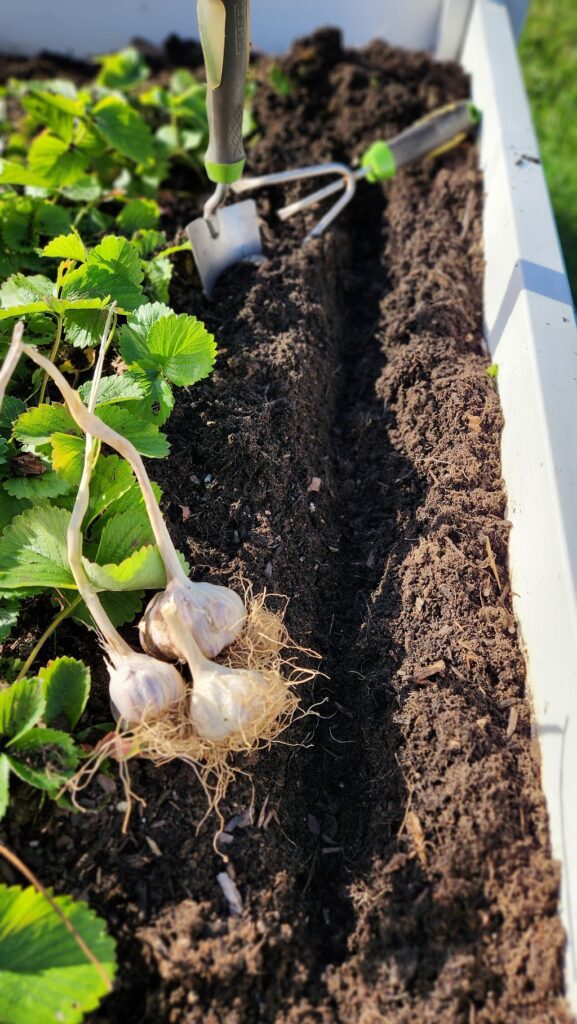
[437,132]
[224,36]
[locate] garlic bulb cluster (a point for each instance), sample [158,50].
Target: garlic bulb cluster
[213,615]
[141,687]
[226,703]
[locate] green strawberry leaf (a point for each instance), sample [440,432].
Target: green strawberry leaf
[4,798]
[55,161]
[123,129]
[143,570]
[138,214]
[123,534]
[35,427]
[21,707]
[43,758]
[66,247]
[123,69]
[65,686]
[36,488]
[44,975]
[117,388]
[20,290]
[33,550]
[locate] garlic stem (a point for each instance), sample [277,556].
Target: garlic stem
[114,641]
[92,424]
[12,358]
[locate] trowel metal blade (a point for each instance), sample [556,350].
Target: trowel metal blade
[236,238]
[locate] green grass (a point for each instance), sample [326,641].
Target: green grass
[549,57]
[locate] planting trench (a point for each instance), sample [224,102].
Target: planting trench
[397,867]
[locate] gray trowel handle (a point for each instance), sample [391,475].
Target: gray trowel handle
[224,36]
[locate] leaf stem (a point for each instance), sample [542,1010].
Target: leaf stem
[53,355]
[62,615]
[12,358]
[30,877]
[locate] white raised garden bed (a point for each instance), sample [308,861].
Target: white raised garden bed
[530,323]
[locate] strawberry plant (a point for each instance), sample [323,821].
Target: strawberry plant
[35,749]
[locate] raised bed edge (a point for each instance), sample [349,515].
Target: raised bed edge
[532,336]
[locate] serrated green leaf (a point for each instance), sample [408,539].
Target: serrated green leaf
[12,173]
[65,686]
[124,129]
[18,226]
[134,334]
[119,257]
[10,507]
[121,607]
[180,346]
[160,398]
[21,706]
[114,268]
[4,794]
[68,456]
[20,290]
[53,111]
[45,976]
[85,190]
[148,241]
[51,220]
[66,247]
[9,612]
[123,69]
[158,277]
[35,426]
[55,161]
[36,488]
[33,550]
[112,478]
[84,327]
[143,570]
[144,434]
[11,409]
[118,388]
[123,534]
[43,758]
[138,214]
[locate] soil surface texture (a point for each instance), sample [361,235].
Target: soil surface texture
[395,865]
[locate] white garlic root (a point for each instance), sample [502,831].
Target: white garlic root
[226,703]
[221,619]
[214,616]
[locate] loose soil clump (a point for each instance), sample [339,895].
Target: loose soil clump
[394,865]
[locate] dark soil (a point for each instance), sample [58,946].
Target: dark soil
[404,874]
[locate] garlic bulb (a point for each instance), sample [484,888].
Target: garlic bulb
[214,616]
[227,704]
[142,687]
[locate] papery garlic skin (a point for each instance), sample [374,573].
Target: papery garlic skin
[214,615]
[142,687]
[228,702]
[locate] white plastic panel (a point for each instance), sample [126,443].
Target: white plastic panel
[532,336]
[74,26]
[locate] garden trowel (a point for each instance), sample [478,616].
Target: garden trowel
[224,235]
